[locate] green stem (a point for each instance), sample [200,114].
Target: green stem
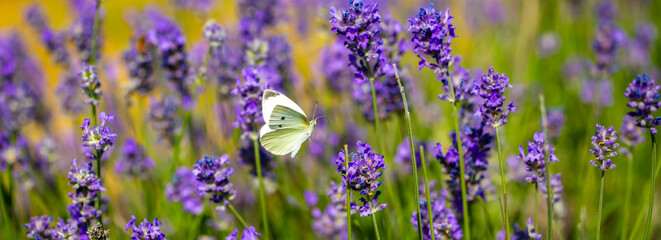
[376,227]
[95,30]
[262,199]
[651,201]
[99,153]
[641,213]
[180,137]
[502,180]
[414,166]
[425,179]
[627,196]
[377,125]
[487,220]
[537,205]
[237,216]
[5,217]
[601,203]
[93,107]
[549,193]
[348,202]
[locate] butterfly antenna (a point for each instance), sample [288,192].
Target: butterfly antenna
[314,113]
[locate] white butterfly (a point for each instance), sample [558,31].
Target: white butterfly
[287,126]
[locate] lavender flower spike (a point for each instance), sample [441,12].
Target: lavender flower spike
[491,88]
[604,147]
[432,34]
[644,99]
[248,234]
[535,160]
[38,227]
[214,34]
[183,189]
[213,178]
[145,230]
[99,137]
[363,175]
[90,85]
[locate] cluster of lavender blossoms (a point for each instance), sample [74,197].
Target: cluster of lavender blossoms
[359,27]
[86,185]
[631,135]
[81,30]
[644,99]
[145,230]
[183,189]
[214,34]
[403,155]
[432,34]
[134,161]
[476,144]
[445,223]
[535,160]
[140,67]
[491,88]
[331,223]
[90,85]
[171,44]
[556,188]
[39,228]
[604,147]
[249,112]
[99,138]
[528,233]
[249,233]
[213,178]
[163,117]
[363,176]
[54,41]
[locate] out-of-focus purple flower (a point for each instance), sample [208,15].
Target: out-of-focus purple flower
[86,186]
[55,42]
[17,105]
[556,188]
[14,152]
[359,27]
[311,198]
[535,160]
[331,223]
[363,176]
[556,122]
[403,155]
[323,140]
[394,46]
[145,230]
[214,178]
[644,100]
[607,40]
[171,44]
[249,112]
[67,90]
[65,229]
[183,188]
[196,5]
[38,227]
[548,44]
[214,34]
[134,161]
[604,147]
[163,117]
[388,97]
[491,88]
[81,30]
[639,48]
[90,84]
[599,92]
[248,234]
[279,62]
[476,144]
[46,154]
[140,69]
[461,83]
[259,15]
[100,138]
[522,234]
[606,11]
[446,225]
[630,133]
[334,66]
[517,170]
[432,34]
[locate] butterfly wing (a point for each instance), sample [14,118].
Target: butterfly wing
[271,99]
[284,117]
[284,141]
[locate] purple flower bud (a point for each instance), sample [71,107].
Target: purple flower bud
[644,100]
[536,159]
[213,179]
[99,138]
[604,147]
[163,117]
[183,189]
[134,160]
[363,176]
[248,234]
[432,34]
[90,84]
[145,230]
[491,88]
[38,227]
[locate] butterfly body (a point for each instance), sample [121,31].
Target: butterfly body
[287,126]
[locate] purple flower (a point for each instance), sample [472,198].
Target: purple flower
[55,42]
[517,169]
[403,156]
[334,67]
[446,225]
[248,234]
[522,234]
[195,5]
[84,182]
[606,10]
[134,161]
[607,40]
[213,178]
[259,14]
[13,152]
[556,188]
[604,147]
[163,117]
[640,46]
[331,223]
[388,97]
[145,230]
[359,26]
[38,227]
[100,138]
[363,176]
[81,30]
[214,34]
[17,105]
[394,46]
[491,88]
[247,158]
[90,85]
[630,133]
[644,99]
[65,229]
[432,34]
[249,112]
[66,89]
[311,198]
[556,122]
[140,69]
[183,189]
[535,160]
[171,44]
[461,83]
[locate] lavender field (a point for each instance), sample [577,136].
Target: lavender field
[449,119]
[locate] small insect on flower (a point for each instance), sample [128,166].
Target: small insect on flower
[287,126]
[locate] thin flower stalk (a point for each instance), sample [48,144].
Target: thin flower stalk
[237,215]
[262,199]
[650,205]
[502,181]
[348,200]
[549,198]
[425,179]
[414,166]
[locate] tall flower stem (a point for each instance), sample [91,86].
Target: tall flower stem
[651,201]
[601,203]
[536,206]
[549,193]
[5,218]
[348,193]
[262,199]
[99,154]
[377,125]
[237,216]
[506,217]
[462,171]
[641,213]
[627,196]
[414,166]
[424,175]
[376,227]
[92,59]
[179,137]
